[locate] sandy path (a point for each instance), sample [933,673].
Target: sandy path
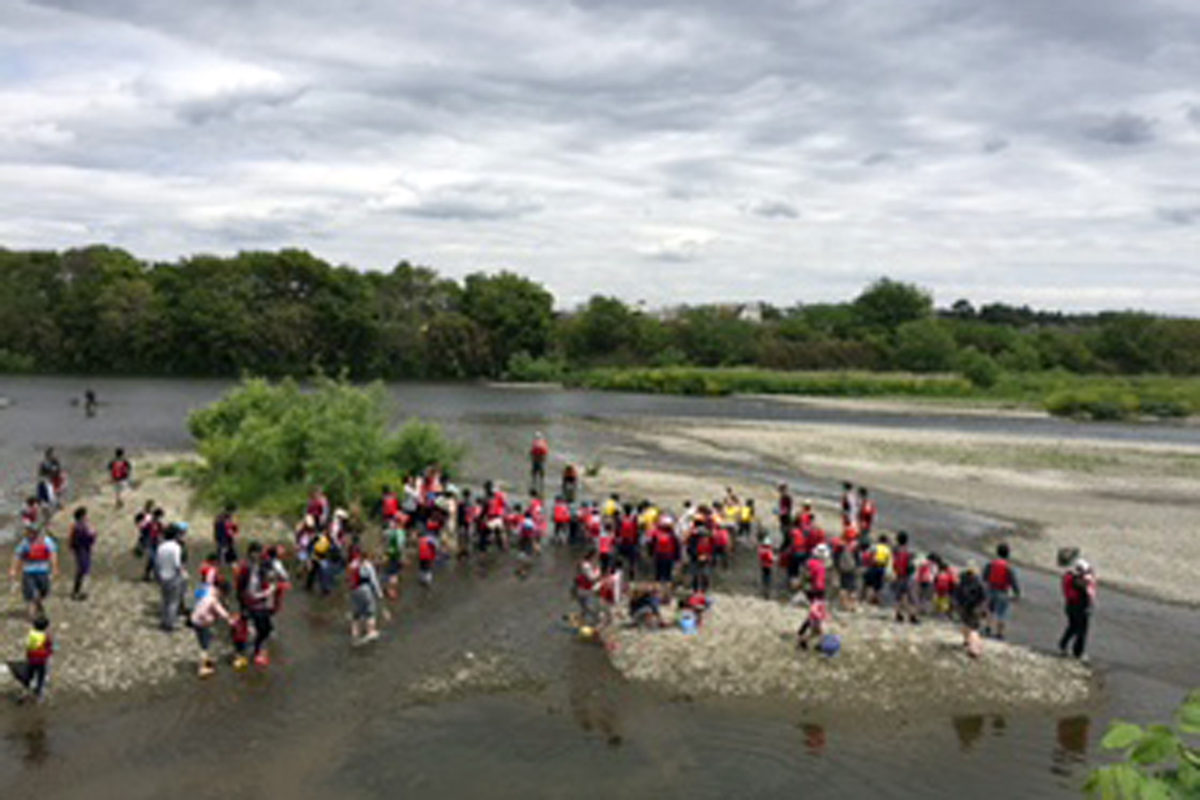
[1131,507]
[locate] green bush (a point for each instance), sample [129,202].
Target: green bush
[1103,405]
[524,368]
[979,368]
[1159,760]
[723,381]
[11,362]
[264,445]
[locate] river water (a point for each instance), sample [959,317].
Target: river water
[328,719]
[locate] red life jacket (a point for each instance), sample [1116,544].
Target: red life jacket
[119,470]
[866,515]
[766,555]
[39,551]
[799,541]
[1071,593]
[704,546]
[427,549]
[606,543]
[629,531]
[943,584]
[585,578]
[434,524]
[816,575]
[497,505]
[720,538]
[540,449]
[562,513]
[925,573]
[902,562]
[355,573]
[806,518]
[593,525]
[390,506]
[41,654]
[999,575]
[814,537]
[664,545]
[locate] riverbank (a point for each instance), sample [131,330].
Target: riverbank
[1098,397]
[1129,506]
[111,641]
[747,648]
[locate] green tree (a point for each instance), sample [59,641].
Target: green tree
[887,304]
[924,346]
[516,313]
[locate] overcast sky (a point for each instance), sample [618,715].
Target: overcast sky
[1039,151]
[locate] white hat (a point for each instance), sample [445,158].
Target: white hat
[1082,567]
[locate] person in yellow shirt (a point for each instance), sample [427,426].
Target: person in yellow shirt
[746,519]
[878,561]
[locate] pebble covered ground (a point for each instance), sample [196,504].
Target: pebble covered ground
[746,647]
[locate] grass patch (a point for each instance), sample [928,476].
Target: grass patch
[1095,397]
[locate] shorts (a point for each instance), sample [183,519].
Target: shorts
[942,604]
[362,603]
[902,589]
[848,581]
[873,578]
[998,604]
[395,564]
[662,570]
[121,487]
[35,586]
[425,565]
[204,636]
[970,619]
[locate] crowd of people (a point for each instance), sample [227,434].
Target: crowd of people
[638,562]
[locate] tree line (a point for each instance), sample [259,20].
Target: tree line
[100,310]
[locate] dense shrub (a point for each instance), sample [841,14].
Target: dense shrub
[979,368]
[524,368]
[265,444]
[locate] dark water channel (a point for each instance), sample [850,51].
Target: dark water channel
[327,719]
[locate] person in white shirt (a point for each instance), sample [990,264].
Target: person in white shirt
[172,576]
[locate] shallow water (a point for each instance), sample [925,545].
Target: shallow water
[328,718]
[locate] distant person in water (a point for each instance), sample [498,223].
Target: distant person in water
[539,451]
[120,471]
[82,541]
[89,403]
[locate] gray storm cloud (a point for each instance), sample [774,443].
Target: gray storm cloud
[663,150]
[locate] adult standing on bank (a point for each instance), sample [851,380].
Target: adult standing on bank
[82,540]
[539,451]
[120,471]
[1079,597]
[172,576]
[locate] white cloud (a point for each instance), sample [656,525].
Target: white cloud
[659,149]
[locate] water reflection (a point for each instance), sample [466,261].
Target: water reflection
[31,741]
[969,731]
[1071,745]
[814,738]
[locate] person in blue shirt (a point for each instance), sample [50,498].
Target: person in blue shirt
[36,558]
